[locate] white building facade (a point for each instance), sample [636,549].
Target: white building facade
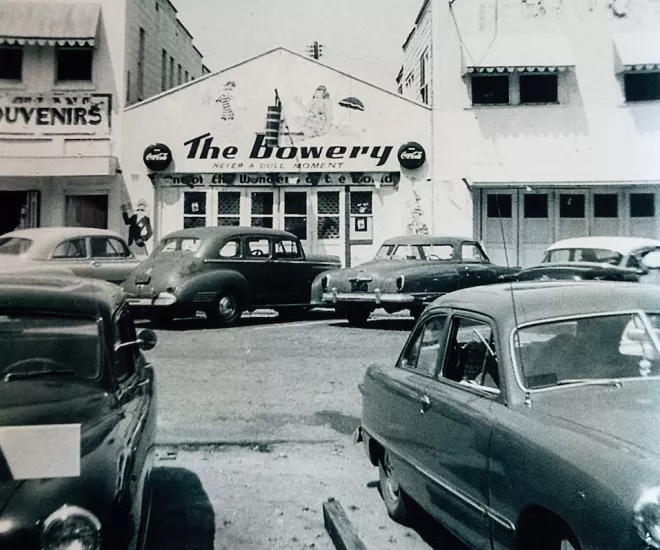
[67,70]
[284,141]
[546,112]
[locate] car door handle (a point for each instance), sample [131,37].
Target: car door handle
[96,263]
[425,404]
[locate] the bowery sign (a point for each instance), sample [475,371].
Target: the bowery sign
[55,113]
[264,156]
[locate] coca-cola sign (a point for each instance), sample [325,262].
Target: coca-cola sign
[411,155]
[157,157]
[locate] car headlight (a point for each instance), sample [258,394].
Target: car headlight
[647,517]
[71,528]
[324,281]
[400,281]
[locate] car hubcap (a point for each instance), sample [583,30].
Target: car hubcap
[227,307]
[391,485]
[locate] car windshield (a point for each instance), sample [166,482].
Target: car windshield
[589,349]
[14,246]
[178,244]
[432,252]
[598,255]
[40,345]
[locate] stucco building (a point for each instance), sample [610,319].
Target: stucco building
[67,71]
[545,112]
[285,141]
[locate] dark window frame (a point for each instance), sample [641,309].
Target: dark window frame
[643,208]
[634,87]
[492,79]
[14,73]
[63,67]
[496,209]
[604,206]
[538,77]
[533,211]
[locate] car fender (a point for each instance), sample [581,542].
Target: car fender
[212,282]
[317,288]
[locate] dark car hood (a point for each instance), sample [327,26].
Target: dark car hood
[620,417]
[581,270]
[28,403]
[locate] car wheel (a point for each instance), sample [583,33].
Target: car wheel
[226,309]
[357,316]
[393,496]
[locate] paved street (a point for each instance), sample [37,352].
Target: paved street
[255,434]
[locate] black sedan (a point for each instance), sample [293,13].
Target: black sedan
[408,272]
[77,416]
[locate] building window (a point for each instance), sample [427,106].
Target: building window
[490,89]
[361,216]
[140,76]
[172,72]
[571,206]
[295,213]
[423,77]
[187,76]
[410,83]
[642,205]
[606,205]
[539,88]
[11,63]
[128,86]
[163,71]
[262,209]
[328,215]
[498,206]
[535,206]
[642,86]
[229,208]
[74,64]
[194,209]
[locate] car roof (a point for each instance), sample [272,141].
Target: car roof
[59,293]
[58,233]
[228,231]
[523,302]
[622,245]
[426,239]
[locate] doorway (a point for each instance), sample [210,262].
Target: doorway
[18,210]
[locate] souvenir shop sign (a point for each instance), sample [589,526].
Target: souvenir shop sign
[55,113]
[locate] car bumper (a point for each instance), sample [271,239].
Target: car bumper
[377,297]
[163,299]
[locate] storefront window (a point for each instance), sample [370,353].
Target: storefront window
[194,209]
[571,206]
[606,205]
[295,213]
[642,205]
[361,216]
[328,215]
[498,206]
[536,206]
[262,209]
[229,208]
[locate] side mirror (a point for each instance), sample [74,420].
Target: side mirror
[147,339]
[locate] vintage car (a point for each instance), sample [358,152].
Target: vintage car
[223,271]
[407,272]
[88,252]
[524,416]
[77,416]
[594,258]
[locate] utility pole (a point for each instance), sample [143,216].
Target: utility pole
[315,50]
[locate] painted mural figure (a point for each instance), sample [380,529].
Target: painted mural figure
[139,225]
[318,120]
[226,100]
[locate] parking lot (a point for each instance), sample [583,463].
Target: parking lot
[256,432]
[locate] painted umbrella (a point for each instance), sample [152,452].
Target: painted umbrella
[352,103]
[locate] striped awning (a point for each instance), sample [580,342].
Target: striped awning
[517,53]
[49,24]
[638,52]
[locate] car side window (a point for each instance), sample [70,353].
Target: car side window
[425,350]
[257,247]
[471,252]
[108,247]
[471,355]
[287,249]
[73,248]
[125,357]
[231,249]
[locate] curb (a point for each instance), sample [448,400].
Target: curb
[339,527]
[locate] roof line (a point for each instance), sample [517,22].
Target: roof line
[268,52]
[417,20]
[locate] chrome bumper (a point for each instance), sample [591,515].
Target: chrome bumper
[161,300]
[376,297]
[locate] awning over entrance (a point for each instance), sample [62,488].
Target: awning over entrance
[48,24]
[58,166]
[638,52]
[517,53]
